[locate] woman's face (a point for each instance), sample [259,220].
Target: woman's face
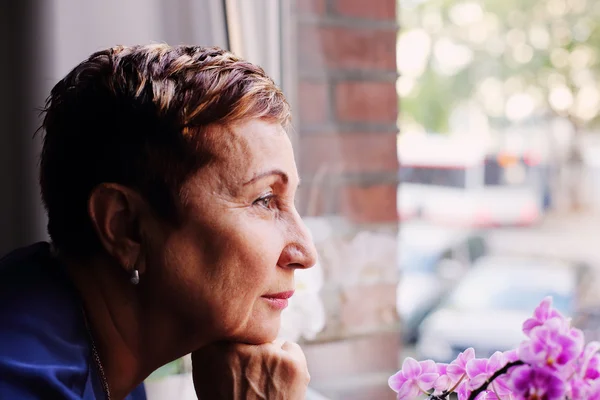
[240,241]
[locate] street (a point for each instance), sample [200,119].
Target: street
[573,236]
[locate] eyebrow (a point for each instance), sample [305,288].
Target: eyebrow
[284,177]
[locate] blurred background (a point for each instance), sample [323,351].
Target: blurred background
[498,181]
[449,152]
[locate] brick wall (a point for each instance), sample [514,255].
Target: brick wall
[346,115]
[347,101]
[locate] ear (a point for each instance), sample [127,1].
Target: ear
[116,212]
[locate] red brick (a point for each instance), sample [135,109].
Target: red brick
[347,48]
[348,152]
[367,9]
[366,308]
[369,204]
[367,354]
[312,7]
[313,102]
[366,102]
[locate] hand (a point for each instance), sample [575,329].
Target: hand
[235,371]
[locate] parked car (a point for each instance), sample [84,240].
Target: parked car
[431,260]
[487,308]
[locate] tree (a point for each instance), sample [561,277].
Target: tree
[513,61]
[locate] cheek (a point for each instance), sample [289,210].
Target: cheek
[252,256]
[215,277]
[235,261]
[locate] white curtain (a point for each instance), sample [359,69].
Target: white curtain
[262,32]
[81,27]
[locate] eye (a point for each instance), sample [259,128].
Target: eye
[265,201]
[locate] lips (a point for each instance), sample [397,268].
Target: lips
[279,301]
[282,295]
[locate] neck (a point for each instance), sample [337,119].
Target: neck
[132,341]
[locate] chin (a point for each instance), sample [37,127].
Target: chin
[266,333]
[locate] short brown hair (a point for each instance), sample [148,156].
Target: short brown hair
[139,116]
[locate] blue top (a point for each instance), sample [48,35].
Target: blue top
[45,351]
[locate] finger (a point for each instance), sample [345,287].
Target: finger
[290,346]
[294,350]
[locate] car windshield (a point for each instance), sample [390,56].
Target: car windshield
[417,260]
[514,289]
[517,299]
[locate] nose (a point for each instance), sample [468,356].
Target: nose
[300,251]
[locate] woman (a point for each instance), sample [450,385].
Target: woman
[169,183]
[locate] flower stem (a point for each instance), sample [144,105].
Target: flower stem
[501,371]
[445,394]
[457,383]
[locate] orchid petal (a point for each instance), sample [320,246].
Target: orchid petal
[427,380]
[411,368]
[408,391]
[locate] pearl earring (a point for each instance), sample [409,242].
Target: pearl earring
[135,277]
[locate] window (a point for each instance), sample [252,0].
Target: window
[447,177]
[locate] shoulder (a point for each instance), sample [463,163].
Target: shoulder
[36,296]
[44,350]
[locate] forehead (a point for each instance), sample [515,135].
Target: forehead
[252,147]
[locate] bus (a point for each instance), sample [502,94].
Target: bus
[456,181]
